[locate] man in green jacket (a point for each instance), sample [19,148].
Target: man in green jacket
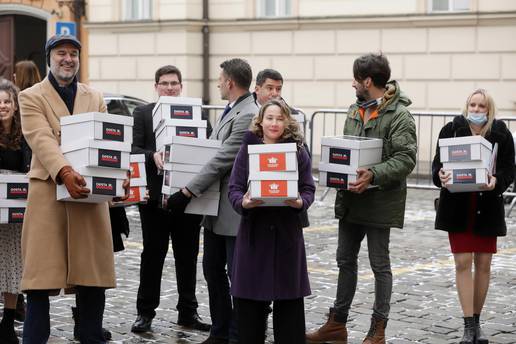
[364,211]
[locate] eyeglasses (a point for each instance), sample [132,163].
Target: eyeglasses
[166,84]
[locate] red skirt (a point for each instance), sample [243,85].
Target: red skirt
[468,241]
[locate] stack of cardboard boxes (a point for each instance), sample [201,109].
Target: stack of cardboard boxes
[183,159]
[98,146]
[469,159]
[273,174]
[14,189]
[341,156]
[177,116]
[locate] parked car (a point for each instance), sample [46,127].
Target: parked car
[122,105]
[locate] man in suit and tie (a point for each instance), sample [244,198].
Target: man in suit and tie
[221,230]
[158,225]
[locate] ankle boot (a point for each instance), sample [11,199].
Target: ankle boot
[75,316]
[7,333]
[480,337]
[376,334]
[469,331]
[331,332]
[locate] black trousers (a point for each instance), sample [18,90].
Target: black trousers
[218,254]
[90,307]
[158,226]
[288,317]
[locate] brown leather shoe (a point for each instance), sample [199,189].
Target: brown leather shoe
[331,332]
[376,334]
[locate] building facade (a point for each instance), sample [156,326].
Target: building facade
[440,50]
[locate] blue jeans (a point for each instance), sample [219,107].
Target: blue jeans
[218,253]
[90,306]
[350,238]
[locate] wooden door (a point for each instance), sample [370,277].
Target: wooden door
[6,47]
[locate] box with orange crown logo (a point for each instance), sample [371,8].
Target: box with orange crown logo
[137,170]
[273,174]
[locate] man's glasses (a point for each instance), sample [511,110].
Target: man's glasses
[166,84]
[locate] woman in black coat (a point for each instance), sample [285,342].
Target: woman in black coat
[475,219]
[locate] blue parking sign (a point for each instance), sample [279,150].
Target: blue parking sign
[66,28]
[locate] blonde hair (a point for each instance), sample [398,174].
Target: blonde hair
[491,109]
[292,130]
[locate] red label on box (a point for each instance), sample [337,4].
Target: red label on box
[468,176]
[110,158]
[274,188]
[112,131]
[273,162]
[186,131]
[181,112]
[17,190]
[134,194]
[340,156]
[337,180]
[16,215]
[104,186]
[135,170]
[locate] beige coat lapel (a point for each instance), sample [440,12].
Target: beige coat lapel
[82,100]
[54,100]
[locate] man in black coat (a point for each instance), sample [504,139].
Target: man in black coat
[159,225]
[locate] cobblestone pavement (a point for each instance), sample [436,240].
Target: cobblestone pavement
[425,307]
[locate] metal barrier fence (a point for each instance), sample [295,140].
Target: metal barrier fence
[330,122]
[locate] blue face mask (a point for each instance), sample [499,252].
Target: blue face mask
[478,118]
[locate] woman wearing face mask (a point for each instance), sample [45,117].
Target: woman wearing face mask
[14,156]
[269,263]
[474,220]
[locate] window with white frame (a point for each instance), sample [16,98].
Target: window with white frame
[274,8]
[136,9]
[449,5]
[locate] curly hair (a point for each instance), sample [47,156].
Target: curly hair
[292,130]
[12,139]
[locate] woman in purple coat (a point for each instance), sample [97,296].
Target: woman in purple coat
[269,263]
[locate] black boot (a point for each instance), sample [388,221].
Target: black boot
[75,317]
[480,337]
[469,331]
[21,308]
[7,334]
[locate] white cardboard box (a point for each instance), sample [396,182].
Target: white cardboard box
[96,125]
[180,127]
[465,148]
[273,192]
[14,186]
[336,176]
[179,175]
[97,153]
[352,151]
[137,170]
[176,108]
[12,210]
[186,150]
[467,180]
[104,184]
[279,157]
[205,204]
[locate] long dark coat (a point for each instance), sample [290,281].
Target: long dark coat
[452,214]
[269,261]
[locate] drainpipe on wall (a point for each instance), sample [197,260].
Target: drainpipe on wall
[205,54]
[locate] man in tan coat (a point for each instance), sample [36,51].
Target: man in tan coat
[64,244]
